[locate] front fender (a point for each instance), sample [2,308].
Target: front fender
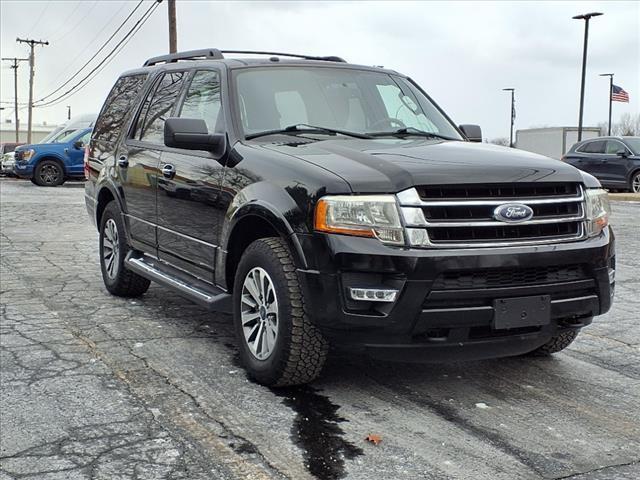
[273,205]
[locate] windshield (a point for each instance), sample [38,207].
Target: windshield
[65,137]
[351,100]
[634,143]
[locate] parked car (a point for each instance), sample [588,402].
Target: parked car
[323,203]
[50,164]
[615,161]
[6,157]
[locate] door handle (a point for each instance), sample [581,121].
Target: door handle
[123,161]
[605,161]
[168,171]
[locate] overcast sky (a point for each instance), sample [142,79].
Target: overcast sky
[462,53]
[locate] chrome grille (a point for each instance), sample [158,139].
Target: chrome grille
[450,216]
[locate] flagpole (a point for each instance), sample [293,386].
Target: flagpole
[610,75]
[610,100]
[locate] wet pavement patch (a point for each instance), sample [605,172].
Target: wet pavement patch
[316,430]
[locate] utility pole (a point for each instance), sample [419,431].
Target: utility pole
[513,112]
[15,89]
[610,75]
[586,17]
[68,112]
[173,36]
[32,60]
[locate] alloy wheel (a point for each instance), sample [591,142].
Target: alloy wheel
[635,183]
[259,313]
[110,248]
[49,174]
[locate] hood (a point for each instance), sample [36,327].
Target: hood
[42,146]
[392,165]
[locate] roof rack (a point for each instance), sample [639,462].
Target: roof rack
[215,54]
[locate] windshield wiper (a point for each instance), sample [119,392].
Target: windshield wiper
[306,128]
[407,131]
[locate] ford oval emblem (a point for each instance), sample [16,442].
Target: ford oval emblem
[513,213]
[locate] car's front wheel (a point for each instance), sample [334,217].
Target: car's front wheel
[634,185]
[113,249]
[556,344]
[278,342]
[48,173]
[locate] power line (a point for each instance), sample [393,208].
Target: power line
[44,10]
[89,44]
[93,56]
[110,56]
[75,23]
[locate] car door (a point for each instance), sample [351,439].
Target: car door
[614,168]
[139,159]
[190,214]
[591,154]
[75,154]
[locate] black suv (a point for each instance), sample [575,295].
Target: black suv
[324,203]
[615,161]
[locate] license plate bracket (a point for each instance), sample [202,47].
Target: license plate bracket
[521,312]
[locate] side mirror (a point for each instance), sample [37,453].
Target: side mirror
[472,132]
[79,145]
[622,153]
[193,134]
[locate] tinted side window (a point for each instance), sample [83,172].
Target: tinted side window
[614,147]
[203,99]
[118,104]
[594,147]
[158,107]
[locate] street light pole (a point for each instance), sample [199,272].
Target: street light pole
[610,75]
[513,112]
[586,17]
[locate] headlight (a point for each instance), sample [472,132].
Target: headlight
[598,210]
[360,215]
[27,154]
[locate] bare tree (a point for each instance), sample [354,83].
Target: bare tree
[500,141]
[628,125]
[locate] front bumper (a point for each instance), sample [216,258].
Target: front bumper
[8,167]
[436,317]
[24,170]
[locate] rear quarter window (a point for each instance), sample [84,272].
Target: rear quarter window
[117,107]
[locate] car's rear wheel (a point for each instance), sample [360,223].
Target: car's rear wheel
[634,185]
[557,343]
[48,173]
[113,249]
[278,342]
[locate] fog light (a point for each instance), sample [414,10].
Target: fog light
[373,294]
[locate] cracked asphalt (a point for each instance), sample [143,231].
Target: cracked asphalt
[94,386]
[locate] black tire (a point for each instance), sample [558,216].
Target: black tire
[118,280]
[300,350]
[634,183]
[557,343]
[33,180]
[48,173]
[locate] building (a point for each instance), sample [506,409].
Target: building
[38,132]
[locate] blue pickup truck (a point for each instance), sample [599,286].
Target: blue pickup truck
[50,164]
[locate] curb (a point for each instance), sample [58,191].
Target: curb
[625,197]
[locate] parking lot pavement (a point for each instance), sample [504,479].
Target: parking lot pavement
[94,386]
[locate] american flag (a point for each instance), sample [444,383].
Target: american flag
[618,94]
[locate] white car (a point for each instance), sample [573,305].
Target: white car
[7,163]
